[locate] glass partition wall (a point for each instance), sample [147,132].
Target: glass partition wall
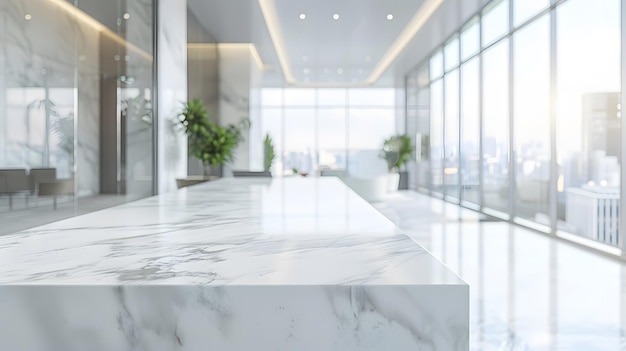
[523,111]
[75,100]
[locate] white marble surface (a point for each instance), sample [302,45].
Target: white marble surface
[235,264]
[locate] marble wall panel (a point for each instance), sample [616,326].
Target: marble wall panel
[202,75]
[172,92]
[235,96]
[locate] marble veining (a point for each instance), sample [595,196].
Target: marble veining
[232,231]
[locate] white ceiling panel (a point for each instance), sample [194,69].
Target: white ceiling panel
[321,49]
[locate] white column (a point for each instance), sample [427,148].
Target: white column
[172,91]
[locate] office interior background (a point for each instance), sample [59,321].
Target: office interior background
[516,113]
[513,106]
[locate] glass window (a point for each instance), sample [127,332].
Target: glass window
[372,97]
[452,54]
[525,9]
[436,65]
[299,97]
[470,40]
[272,97]
[299,153]
[531,116]
[421,133]
[332,141]
[470,131]
[496,127]
[495,21]
[272,124]
[451,135]
[588,117]
[436,135]
[331,97]
[367,129]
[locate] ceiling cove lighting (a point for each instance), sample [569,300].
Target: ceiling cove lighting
[417,22]
[226,46]
[90,21]
[268,9]
[270,16]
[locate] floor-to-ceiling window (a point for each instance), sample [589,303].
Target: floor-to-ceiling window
[532,89]
[495,140]
[588,118]
[451,120]
[314,130]
[531,120]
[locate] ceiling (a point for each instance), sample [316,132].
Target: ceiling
[321,51]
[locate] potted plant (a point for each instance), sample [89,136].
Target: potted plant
[396,151]
[209,142]
[268,153]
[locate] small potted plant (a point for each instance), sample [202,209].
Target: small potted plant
[268,153]
[396,151]
[209,142]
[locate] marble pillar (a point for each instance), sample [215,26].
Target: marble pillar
[172,92]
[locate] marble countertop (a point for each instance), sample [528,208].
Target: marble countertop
[234,231]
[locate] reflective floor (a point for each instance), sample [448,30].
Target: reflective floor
[528,291]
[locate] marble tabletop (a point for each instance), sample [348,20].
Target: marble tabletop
[234,231]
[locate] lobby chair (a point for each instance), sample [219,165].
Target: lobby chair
[13,181]
[54,188]
[38,175]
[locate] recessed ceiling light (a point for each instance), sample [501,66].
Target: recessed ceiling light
[340,70]
[126,15]
[306,71]
[336,16]
[390,17]
[28,17]
[302,16]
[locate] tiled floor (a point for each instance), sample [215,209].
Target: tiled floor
[528,291]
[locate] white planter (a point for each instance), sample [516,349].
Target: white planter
[393,179]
